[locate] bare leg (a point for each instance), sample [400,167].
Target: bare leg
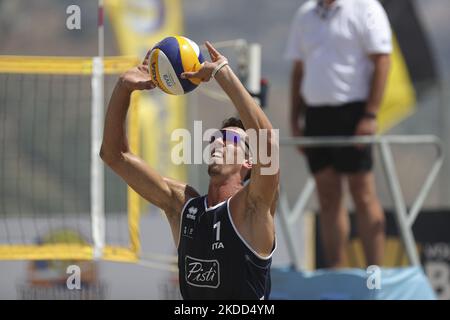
[333,218]
[369,216]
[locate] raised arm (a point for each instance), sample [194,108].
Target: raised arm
[253,206]
[167,194]
[263,185]
[264,182]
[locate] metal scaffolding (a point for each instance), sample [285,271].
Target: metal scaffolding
[404,219]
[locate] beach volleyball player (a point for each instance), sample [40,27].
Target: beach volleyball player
[225,238]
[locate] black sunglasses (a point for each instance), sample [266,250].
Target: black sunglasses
[230,136]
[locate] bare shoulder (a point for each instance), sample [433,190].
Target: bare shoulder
[181,193]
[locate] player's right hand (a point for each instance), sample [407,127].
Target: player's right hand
[297,131]
[137,78]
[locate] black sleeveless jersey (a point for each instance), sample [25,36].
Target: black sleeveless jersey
[214,261]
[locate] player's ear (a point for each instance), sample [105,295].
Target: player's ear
[246,171]
[248,163]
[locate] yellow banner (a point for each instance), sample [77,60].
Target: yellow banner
[138,25]
[399,98]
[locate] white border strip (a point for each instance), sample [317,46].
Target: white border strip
[205,201]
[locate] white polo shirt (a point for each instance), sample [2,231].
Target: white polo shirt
[334,46]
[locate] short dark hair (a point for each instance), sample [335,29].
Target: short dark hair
[232,122]
[236,122]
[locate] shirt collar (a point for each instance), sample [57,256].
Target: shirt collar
[325,12]
[336,3]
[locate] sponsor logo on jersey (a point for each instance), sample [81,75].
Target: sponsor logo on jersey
[202,273]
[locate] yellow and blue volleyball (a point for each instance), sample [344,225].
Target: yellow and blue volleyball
[171,57]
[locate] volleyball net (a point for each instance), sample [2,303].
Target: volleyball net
[47,162]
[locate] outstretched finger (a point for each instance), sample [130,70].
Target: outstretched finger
[189,75]
[212,51]
[197,75]
[149,85]
[144,68]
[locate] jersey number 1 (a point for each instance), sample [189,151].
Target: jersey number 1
[217,227]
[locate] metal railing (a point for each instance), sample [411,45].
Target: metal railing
[404,219]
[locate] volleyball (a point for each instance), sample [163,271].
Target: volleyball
[169,58]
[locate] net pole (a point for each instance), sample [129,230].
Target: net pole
[97,168]
[101,29]
[254,69]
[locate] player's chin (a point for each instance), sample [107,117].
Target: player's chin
[214,169]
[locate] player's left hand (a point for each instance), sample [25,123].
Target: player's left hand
[205,72]
[366,126]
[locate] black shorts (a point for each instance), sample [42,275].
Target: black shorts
[336,121]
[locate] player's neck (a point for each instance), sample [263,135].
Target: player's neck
[222,188]
[328,3]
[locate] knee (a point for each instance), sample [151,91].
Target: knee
[363,200]
[329,192]
[369,209]
[330,205]
[378,222]
[364,197]
[375,225]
